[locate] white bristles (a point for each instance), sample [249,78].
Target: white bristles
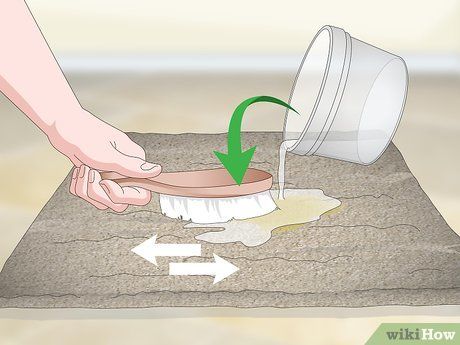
[216,210]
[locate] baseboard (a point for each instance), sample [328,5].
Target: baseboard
[417,63]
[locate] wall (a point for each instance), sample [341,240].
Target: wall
[241,26]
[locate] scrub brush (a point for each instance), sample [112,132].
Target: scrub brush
[207,196]
[215,195]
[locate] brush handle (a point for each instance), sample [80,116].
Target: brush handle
[209,183]
[149,184]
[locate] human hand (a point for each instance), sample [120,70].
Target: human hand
[41,92]
[93,146]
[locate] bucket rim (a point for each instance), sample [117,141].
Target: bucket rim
[334,34]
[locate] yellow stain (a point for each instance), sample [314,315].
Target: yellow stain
[300,206]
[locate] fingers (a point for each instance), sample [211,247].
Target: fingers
[81,187]
[73,181]
[134,166]
[120,155]
[86,183]
[129,159]
[96,193]
[128,147]
[130,195]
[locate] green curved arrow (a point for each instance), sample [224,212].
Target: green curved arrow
[237,161]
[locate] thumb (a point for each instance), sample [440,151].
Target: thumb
[131,166]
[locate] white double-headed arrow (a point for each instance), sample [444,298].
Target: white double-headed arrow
[149,250]
[220,269]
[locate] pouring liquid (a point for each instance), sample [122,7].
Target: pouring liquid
[285,145]
[295,207]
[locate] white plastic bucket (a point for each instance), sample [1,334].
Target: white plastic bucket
[351,97]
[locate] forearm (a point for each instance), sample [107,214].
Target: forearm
[29,75]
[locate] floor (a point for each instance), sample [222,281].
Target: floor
[367,236]
[428,138]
